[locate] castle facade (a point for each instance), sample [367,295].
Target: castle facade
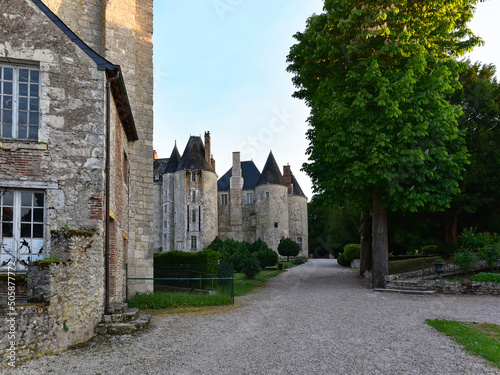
[192,206]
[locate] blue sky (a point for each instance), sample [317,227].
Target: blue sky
[220,67]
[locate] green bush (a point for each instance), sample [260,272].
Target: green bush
[288,248]
[469,239]
[486,277]
[446,249]
[351,251]
[258,246]
[216,244]
[465,260]
[342,261]
[490,254]
[267,257]
[202,261]
[429,250]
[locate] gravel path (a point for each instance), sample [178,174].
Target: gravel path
[318,318]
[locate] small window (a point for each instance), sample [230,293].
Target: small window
[175,217]
[157,177]
[252,221]
[19,102]
[193,216]
[223,199]
[193,176]
[126,169]
[193,196]
[194,243]
[299,241]
[249,198]
[276,225]
[267,194]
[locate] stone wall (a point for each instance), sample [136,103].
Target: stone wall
[67,159]
[297,213]
[66,299]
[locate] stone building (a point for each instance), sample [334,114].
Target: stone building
[244,204]
[76,135]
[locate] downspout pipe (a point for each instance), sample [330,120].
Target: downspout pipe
[107,189]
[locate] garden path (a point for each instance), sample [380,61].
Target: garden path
[318,318]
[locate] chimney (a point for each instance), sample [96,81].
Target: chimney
[287,176]
[155,155]
[207,148]
[213,162]
[236,164]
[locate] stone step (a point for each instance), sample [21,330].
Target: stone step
[405,285]
[118,308]
[127,316]
[405,291]
[123,328]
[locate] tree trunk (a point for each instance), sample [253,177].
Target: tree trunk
[450,228]
[366,243]
[380,249]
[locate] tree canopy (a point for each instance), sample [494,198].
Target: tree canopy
[376,76]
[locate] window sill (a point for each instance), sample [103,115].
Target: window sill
[14,145]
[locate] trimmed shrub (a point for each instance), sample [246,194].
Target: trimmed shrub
[258,246]
[351,251]
[429,249]
[202,261]
[486,277]
[267,257]
[342,261]
[288,248]
[216,244]
[465,260]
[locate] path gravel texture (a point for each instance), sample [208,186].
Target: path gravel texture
[318,318]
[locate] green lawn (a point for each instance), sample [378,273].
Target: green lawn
[482,339]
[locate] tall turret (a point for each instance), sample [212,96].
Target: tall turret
[271,205]
[297,211]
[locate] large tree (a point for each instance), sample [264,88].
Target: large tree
[376,75]
[479,97]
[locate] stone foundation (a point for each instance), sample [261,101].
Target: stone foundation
[66,300]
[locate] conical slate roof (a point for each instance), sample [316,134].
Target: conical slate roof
[194,156]
[296,187]
[174,160]
[271,173]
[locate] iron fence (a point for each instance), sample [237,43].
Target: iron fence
[185,278]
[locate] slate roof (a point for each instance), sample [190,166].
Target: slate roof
[271,173]
[250,175]
[160,167]
[296,187]
[118,88]
[194,156]
[174,160]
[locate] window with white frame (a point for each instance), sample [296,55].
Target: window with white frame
[249,198]
[194,242]
[19,101]
[22,217]
[252,221]
[223,199]
[299,241]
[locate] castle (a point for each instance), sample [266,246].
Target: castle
[192,206]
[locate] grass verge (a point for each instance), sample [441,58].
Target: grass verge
[164,300]
[243,285]
[482,339]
